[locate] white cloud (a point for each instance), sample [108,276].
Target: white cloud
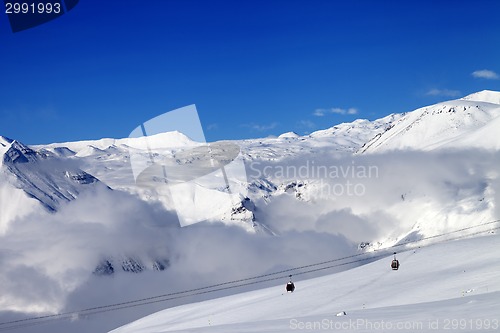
[485,74]
[321,112]
[213,126]
[261,127]
[306,124]
[46,258]
[443,92]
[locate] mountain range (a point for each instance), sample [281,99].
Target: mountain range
[48,176]
[79,219]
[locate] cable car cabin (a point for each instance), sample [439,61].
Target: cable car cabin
[395,265]
[290,287]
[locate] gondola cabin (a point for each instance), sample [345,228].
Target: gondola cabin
[290,287]
[395,263]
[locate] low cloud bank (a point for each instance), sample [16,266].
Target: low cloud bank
[47,259]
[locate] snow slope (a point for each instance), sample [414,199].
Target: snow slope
[453,283]
[4,146]
[30,178]
[45,178]
[487,96]
[163,140]
[452,124]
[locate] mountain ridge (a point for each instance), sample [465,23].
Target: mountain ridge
[41,175]
[303,196]
[350,136]
[468,122]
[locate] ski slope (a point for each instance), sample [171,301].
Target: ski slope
[446,286]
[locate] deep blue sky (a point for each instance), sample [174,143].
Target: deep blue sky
[253,68]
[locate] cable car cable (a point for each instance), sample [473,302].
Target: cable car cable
[229,284]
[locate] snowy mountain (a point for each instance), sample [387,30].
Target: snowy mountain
[470,122]
[46,180]
[42,175]
[354,188]
[288,135]
[486,96]
[30,179]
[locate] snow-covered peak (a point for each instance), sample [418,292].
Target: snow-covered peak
[450,124]
[5,144]
[19,153]
[173,139]
[4,141]
[162,140]
[89,151]
[487,96]
[463,123]
[42,176]
[352,136]
[288,135]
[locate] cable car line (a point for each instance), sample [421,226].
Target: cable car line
[32,321]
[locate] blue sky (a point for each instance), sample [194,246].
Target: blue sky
[253,68]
